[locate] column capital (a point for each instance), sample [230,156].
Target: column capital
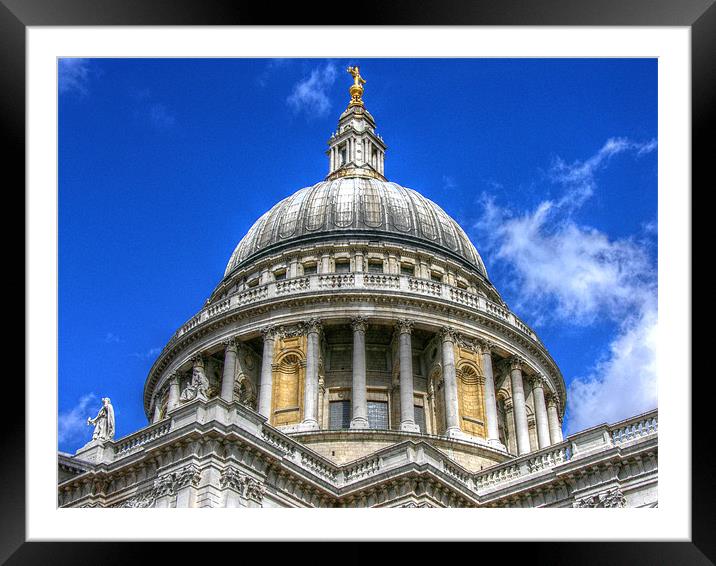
[486,346]
[197,360]
[448,334]
[231,344]
[537,380]
[313,325]
[359,323]
[517,363]
[268,332]
[404,326]
[175,377]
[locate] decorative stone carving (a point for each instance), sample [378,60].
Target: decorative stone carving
[199,385]
[103,422]
[245,485]
[231,344]
[313,325]
[516,363]
[359,323]
[448,334]
[405,326]
[611,498]
[168,484]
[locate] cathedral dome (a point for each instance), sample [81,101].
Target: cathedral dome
[356,206]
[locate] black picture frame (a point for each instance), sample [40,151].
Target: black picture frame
[699,15]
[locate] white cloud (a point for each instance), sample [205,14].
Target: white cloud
[72,424]
[73,75]
[622,385]
[310,95]
[569,274]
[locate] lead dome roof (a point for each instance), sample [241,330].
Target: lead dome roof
[356,206]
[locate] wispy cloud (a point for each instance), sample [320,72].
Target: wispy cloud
[579,177]
[148,355]
[72,424]
[576,275]
[309,96]
[449,183]
[73,75]
[111,338]
[272,66]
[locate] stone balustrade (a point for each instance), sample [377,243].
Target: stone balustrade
[130,444]
[348,281]
[573,447]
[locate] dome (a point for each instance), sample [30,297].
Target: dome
[357,207]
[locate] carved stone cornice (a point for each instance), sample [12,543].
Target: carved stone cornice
[404,326]
[359,324]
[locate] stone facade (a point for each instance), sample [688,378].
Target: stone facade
[356,354]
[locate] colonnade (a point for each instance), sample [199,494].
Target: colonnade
[547,422]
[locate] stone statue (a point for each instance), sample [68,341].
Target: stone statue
[103,422]
[198,387]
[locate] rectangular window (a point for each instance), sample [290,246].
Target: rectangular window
[343,266]
[339,415]
[375,266]
[378,415]
[406,269]
[280,275]
[420,417]
[435,276]
[253,282]
[310,269]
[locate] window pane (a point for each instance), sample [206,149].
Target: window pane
[375,267]
[339,415]
[309,269]
[343,267]
[420,418]
[378,414]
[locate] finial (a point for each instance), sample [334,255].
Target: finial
[356,89]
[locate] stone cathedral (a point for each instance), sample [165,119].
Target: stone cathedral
[356,354]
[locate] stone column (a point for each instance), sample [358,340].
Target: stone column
[493,434]
[359,403]
[173,391]
[227,378]
[540,412]
[407,410]
[157,408]
[310,390]
[555,427]
[519,410]
[452,417]
[266,385]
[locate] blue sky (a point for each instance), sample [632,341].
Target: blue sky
[550,165]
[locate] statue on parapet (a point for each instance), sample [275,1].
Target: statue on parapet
[198,387]
[103,422]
